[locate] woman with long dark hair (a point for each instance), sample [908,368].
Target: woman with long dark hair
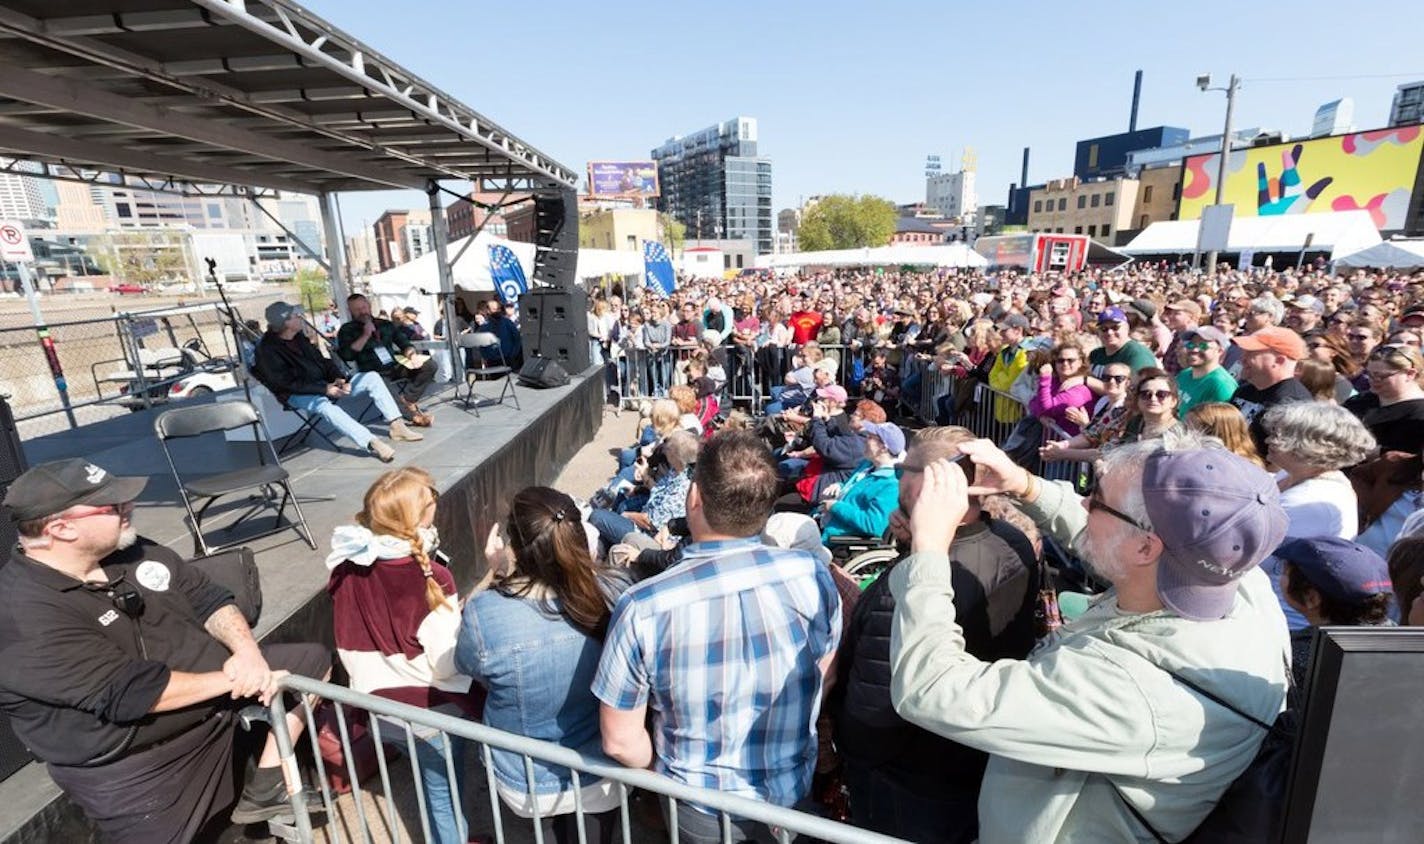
[533,639]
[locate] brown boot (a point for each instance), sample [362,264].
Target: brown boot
[402,433]
[381,450]
[417,418]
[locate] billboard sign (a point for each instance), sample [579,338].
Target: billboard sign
[1372,171]
[625,179]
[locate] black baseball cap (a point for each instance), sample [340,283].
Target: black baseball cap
[56,486]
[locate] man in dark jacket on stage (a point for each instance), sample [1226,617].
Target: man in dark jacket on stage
[377,345]
[903,780]
[290,366]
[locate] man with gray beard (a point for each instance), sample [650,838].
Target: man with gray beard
[122,667]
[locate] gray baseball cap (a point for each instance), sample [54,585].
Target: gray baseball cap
[279,312]
[1218,516]
[1211,333]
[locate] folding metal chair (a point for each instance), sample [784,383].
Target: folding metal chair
[267,480]
[486,371]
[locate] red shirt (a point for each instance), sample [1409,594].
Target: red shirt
[804,326]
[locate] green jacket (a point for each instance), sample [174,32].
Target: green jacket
[1092,702]
[367,360]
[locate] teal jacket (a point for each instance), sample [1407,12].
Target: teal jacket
[867,499]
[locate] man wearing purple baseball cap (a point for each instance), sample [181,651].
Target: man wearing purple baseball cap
[1118,347]
[1091,733]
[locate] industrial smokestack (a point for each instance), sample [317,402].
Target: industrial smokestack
[1136,98]
[1023,176]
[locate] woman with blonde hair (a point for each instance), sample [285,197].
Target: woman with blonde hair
[534,640]
[396,623]
[1224,421]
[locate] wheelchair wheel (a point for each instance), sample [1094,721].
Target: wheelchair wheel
[866,566]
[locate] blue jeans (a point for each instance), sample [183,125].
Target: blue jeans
[611,526]
[367,384]
[435,782]
[660,368]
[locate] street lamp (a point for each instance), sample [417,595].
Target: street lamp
[1204,83]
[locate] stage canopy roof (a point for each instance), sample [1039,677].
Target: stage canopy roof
[1338,233]
[1392,254]
[236,92]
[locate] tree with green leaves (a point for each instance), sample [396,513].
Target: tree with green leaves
[315,288]
[840,221]
[674,232]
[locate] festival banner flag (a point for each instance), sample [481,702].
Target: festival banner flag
[658,268]
[506,273]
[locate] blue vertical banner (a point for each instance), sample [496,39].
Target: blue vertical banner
[658,268]
[506,273]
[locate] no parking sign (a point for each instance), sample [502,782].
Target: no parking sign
[14,246]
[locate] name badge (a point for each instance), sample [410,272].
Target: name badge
[384,356]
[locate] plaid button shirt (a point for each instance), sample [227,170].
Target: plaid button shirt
[725,647]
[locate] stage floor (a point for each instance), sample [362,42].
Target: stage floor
[517,447]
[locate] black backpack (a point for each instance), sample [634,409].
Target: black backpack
[1252,809]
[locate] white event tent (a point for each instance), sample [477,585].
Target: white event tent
[1339,233]
[1391,254]
[950,255]
[414,283]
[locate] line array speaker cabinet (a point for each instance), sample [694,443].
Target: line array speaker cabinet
[556,223]
[554,323]
[13,755]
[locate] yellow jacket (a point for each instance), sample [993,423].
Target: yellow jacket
[1002,376]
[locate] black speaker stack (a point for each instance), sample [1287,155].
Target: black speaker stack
[553,315]
[13,755]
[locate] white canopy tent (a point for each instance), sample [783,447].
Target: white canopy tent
[415,283]
[950,255]
[1339,233]
[1391,254]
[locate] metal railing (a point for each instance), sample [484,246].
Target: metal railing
[69,373]
[785,823]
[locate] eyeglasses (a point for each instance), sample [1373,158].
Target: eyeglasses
[1116,379]
[1159,395]
[1196,346]
[1096,503]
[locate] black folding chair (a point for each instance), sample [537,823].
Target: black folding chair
[267,480]
[500,370]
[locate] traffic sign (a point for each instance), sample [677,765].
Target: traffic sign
[14,246]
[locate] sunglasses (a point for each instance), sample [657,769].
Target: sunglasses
[1159,395]
[1110,326]
[106,510]
[1066,360]
[1116,379]
[1095,503]
[1196,346]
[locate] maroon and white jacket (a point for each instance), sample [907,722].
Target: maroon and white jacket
[389,641]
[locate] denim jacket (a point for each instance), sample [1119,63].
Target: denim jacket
[538,668]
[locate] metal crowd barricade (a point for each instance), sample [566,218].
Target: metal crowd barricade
[786,823]
[1079,473]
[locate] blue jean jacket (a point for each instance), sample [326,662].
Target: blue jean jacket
[538,669]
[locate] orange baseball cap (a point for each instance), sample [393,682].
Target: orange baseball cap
[1276,339]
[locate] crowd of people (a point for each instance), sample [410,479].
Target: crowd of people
[1246,468]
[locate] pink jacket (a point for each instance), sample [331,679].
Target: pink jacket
[1053,402]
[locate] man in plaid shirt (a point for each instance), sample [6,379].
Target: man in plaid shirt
[730,648]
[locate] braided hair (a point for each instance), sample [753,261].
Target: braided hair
[394,506]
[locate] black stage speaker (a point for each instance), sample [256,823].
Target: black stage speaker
[556,223]
[541,372]
[554,323]
[13,755]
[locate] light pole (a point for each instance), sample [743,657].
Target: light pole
[1204,83]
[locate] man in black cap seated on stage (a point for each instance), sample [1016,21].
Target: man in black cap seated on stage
[122,667]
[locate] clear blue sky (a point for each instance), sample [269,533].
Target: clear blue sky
[851,97]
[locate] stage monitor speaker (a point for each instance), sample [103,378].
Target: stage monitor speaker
[554,323]
[542,372]
[13,755]
[556,246]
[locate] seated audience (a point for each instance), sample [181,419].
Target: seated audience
[861,504]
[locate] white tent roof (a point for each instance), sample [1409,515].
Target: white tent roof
[472,272]
[1396,254]
[1339,233]
[951,255]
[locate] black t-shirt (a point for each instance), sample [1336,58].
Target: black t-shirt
[1397,427]
[78,676]
[1253,404]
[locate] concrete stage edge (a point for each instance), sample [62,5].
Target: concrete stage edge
[478,465]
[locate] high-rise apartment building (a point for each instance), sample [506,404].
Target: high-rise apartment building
[1408,106]
[714,183]
[21,199]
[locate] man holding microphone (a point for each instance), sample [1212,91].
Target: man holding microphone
[376,345]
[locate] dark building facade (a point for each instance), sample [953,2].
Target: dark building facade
[1106,157]
[715,184]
